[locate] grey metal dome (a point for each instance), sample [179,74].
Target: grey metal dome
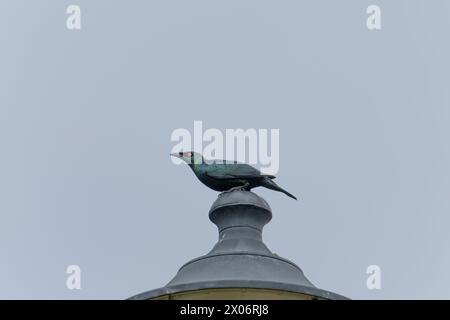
[240,259]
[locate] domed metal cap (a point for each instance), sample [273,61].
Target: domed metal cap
[240,259]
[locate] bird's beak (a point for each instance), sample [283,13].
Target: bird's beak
[175,155]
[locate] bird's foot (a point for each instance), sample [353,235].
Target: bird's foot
[238,188]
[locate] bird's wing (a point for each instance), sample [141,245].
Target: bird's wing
[217,175]
[233,171]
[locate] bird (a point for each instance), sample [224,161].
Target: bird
[221,175]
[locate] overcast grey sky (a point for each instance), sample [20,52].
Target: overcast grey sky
[86,118]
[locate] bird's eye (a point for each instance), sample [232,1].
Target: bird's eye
[181,153]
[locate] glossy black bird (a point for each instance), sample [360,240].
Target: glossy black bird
[220,175]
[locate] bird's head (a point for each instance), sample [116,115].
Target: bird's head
[190,157]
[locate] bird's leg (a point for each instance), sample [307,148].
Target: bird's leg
[239,188]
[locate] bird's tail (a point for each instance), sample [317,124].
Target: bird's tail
[269,184]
